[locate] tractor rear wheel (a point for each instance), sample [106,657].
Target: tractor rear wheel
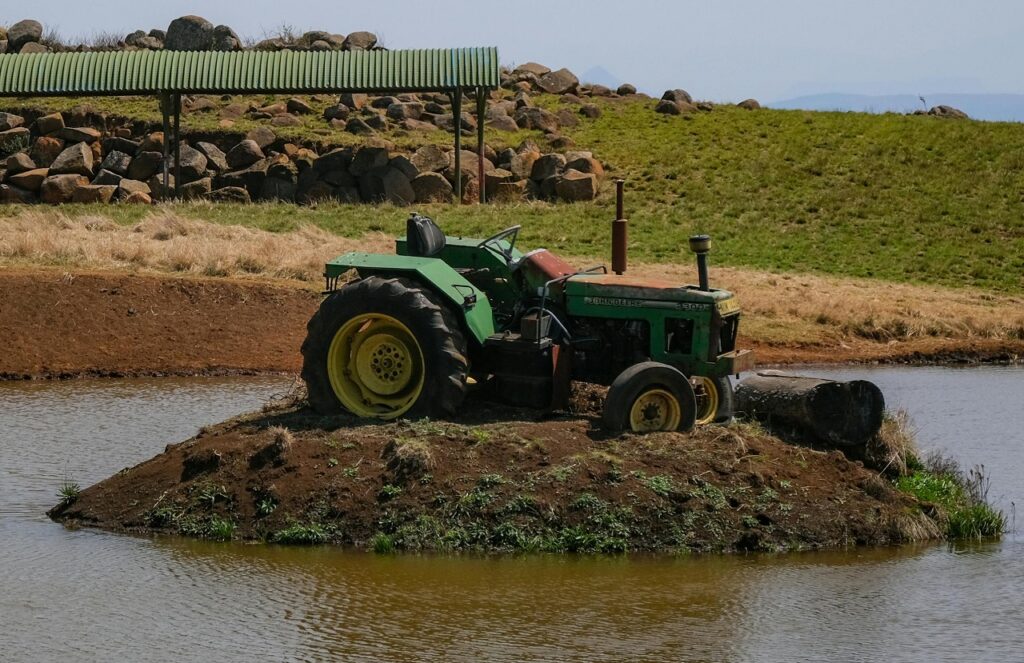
[714,399]
[649,397]
[384,348]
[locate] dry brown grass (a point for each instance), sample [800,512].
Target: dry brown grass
[812,309]
[164,241]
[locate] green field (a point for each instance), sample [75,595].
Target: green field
[889,197]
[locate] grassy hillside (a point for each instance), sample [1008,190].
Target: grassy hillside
[910,199]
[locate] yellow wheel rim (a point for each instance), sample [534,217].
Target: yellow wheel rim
[655,410]
[706,394]
[375,366]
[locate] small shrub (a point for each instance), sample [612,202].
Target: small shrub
[68,492]
[302,534]
[221,529]
[659,484]
[266,506]
[382,544]
[389,492]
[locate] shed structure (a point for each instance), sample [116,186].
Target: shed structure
[167,75]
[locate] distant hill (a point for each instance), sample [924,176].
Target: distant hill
[994,107]
[601,76]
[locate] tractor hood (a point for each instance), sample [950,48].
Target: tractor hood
[615,291]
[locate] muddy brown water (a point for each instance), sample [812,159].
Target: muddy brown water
[92,596]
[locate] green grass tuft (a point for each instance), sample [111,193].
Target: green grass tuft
[302,534]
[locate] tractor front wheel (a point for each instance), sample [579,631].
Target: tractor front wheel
[649,397]
[384,348]
[714,399]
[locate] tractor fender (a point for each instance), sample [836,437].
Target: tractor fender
[468,302]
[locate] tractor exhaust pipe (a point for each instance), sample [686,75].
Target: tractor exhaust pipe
[701,245]
[620,232]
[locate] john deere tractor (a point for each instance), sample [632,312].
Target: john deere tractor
[414,331]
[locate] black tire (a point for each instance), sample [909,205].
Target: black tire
[431,323]
[724,390]
[638,380]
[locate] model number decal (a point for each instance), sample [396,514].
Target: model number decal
[642,303]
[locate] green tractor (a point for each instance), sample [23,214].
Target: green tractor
[413,332]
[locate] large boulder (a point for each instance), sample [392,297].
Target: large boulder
[243,155]
[397,187]
[45,150]
[215,157]
[536,118]
[58,189]
[19,162]
[189,33]
[948,112]
[368,158]
[22,33]
[575,186]
[80,134]
[534,68]
[192,163]
[251,178]
[359,41]
[521,164]
[10,121]
[585,164]
[225,39]
[430,158]
[749,104]
[14,140]
[547,166]
[119,144]
[127,187]
[117,162]
[13,195]
[625,89]
[29,180]
[34,47]
[405,110]
[107,177]
[74,160]
[558,82]
[49,124]
[146,165]
[230,194]
[503,123]
[354,100]
[93,193]
[262,136]
[677,95]
[432,188]
[196,190]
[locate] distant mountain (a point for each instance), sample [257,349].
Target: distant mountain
[994,107]
[601,76]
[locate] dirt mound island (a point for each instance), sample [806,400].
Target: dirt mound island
[499,480]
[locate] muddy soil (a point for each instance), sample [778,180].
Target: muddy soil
[500,479]
[67,324]
[61,324]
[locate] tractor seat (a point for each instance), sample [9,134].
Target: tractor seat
[423,238]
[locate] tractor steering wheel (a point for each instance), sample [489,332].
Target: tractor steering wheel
[491,243]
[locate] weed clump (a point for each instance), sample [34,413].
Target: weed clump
[959,499]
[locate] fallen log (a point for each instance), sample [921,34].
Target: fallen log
[831,413]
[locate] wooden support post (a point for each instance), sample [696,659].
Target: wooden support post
[456,98]
[177,142]
[165,110]
[481,108]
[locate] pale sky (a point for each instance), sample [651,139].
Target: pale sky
[723,51]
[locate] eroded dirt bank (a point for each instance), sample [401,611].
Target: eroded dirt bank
[58,323]
[500,480]
[65,324]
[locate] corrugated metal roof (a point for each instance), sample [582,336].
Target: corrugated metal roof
[151,72]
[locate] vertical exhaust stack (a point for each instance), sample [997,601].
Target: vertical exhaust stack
[620,232]
[701,245]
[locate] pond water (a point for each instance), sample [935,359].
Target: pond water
[91,596]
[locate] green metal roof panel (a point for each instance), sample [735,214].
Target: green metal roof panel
[151,72]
